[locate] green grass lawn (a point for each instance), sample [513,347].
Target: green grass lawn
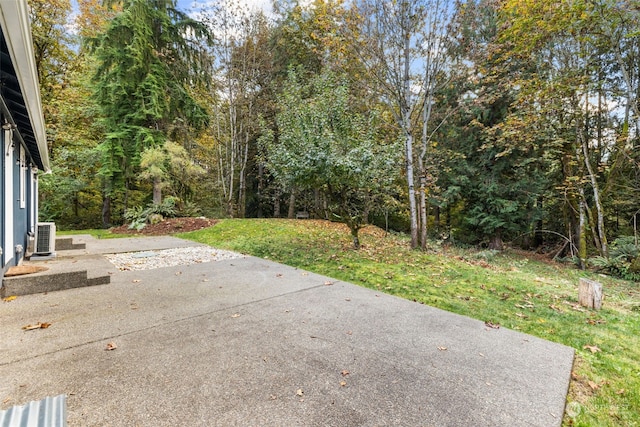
[511,289]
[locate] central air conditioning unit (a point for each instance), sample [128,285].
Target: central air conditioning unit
[45,238]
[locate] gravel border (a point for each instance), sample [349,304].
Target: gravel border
[147,260]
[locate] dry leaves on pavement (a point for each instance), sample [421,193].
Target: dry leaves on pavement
[39,325]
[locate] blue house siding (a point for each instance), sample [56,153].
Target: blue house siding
[19,211]
[2,209]
[18,219]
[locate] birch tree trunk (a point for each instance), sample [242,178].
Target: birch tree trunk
[602,236]
[405,112]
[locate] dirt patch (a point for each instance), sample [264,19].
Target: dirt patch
[168,226]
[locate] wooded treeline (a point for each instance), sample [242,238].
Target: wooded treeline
[479,121]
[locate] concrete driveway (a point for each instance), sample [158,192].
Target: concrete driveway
[249,342]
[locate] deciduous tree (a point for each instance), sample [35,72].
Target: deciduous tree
[323,143]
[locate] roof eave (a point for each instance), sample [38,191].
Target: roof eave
[14,19]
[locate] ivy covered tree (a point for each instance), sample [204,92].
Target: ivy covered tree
[324,143]
[148,58]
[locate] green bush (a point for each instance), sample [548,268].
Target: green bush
[138,216]
[623,260]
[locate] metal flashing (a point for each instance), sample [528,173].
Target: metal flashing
[48,412]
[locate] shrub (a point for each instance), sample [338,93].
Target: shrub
[623,260]
[139,216]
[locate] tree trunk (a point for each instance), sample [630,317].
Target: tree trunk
[496,242]
[106,211]
[356,239]
[423,210]
[317,201]
[604,251]
[276,204]
[413,212]
[582,236]
[259,213]
[599,209]
[292,204]
[242,181]
[405,116]
[157,191]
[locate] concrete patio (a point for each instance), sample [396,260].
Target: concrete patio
[249,342]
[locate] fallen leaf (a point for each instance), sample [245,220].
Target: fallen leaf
[136,281]
[111,346]
[492,325]
[576,307]
[328,283]
[442,348]
[344,373]
[279,275]
[592,348]
[40,325]
[343,383]
[9,298]
[347,299]
[621,391]
[299,392]
[8,399]
[593,385]
[524,316]
[235,315]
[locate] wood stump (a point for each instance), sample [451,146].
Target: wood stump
[590,294]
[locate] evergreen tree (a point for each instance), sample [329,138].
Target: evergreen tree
[149,55]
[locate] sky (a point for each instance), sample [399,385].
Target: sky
[185,5]
[265,5]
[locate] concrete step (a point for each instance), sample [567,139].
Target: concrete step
[67,244]
[61,274]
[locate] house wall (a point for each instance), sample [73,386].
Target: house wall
[9,204]
[18,202]
[2,209]
[20,213]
